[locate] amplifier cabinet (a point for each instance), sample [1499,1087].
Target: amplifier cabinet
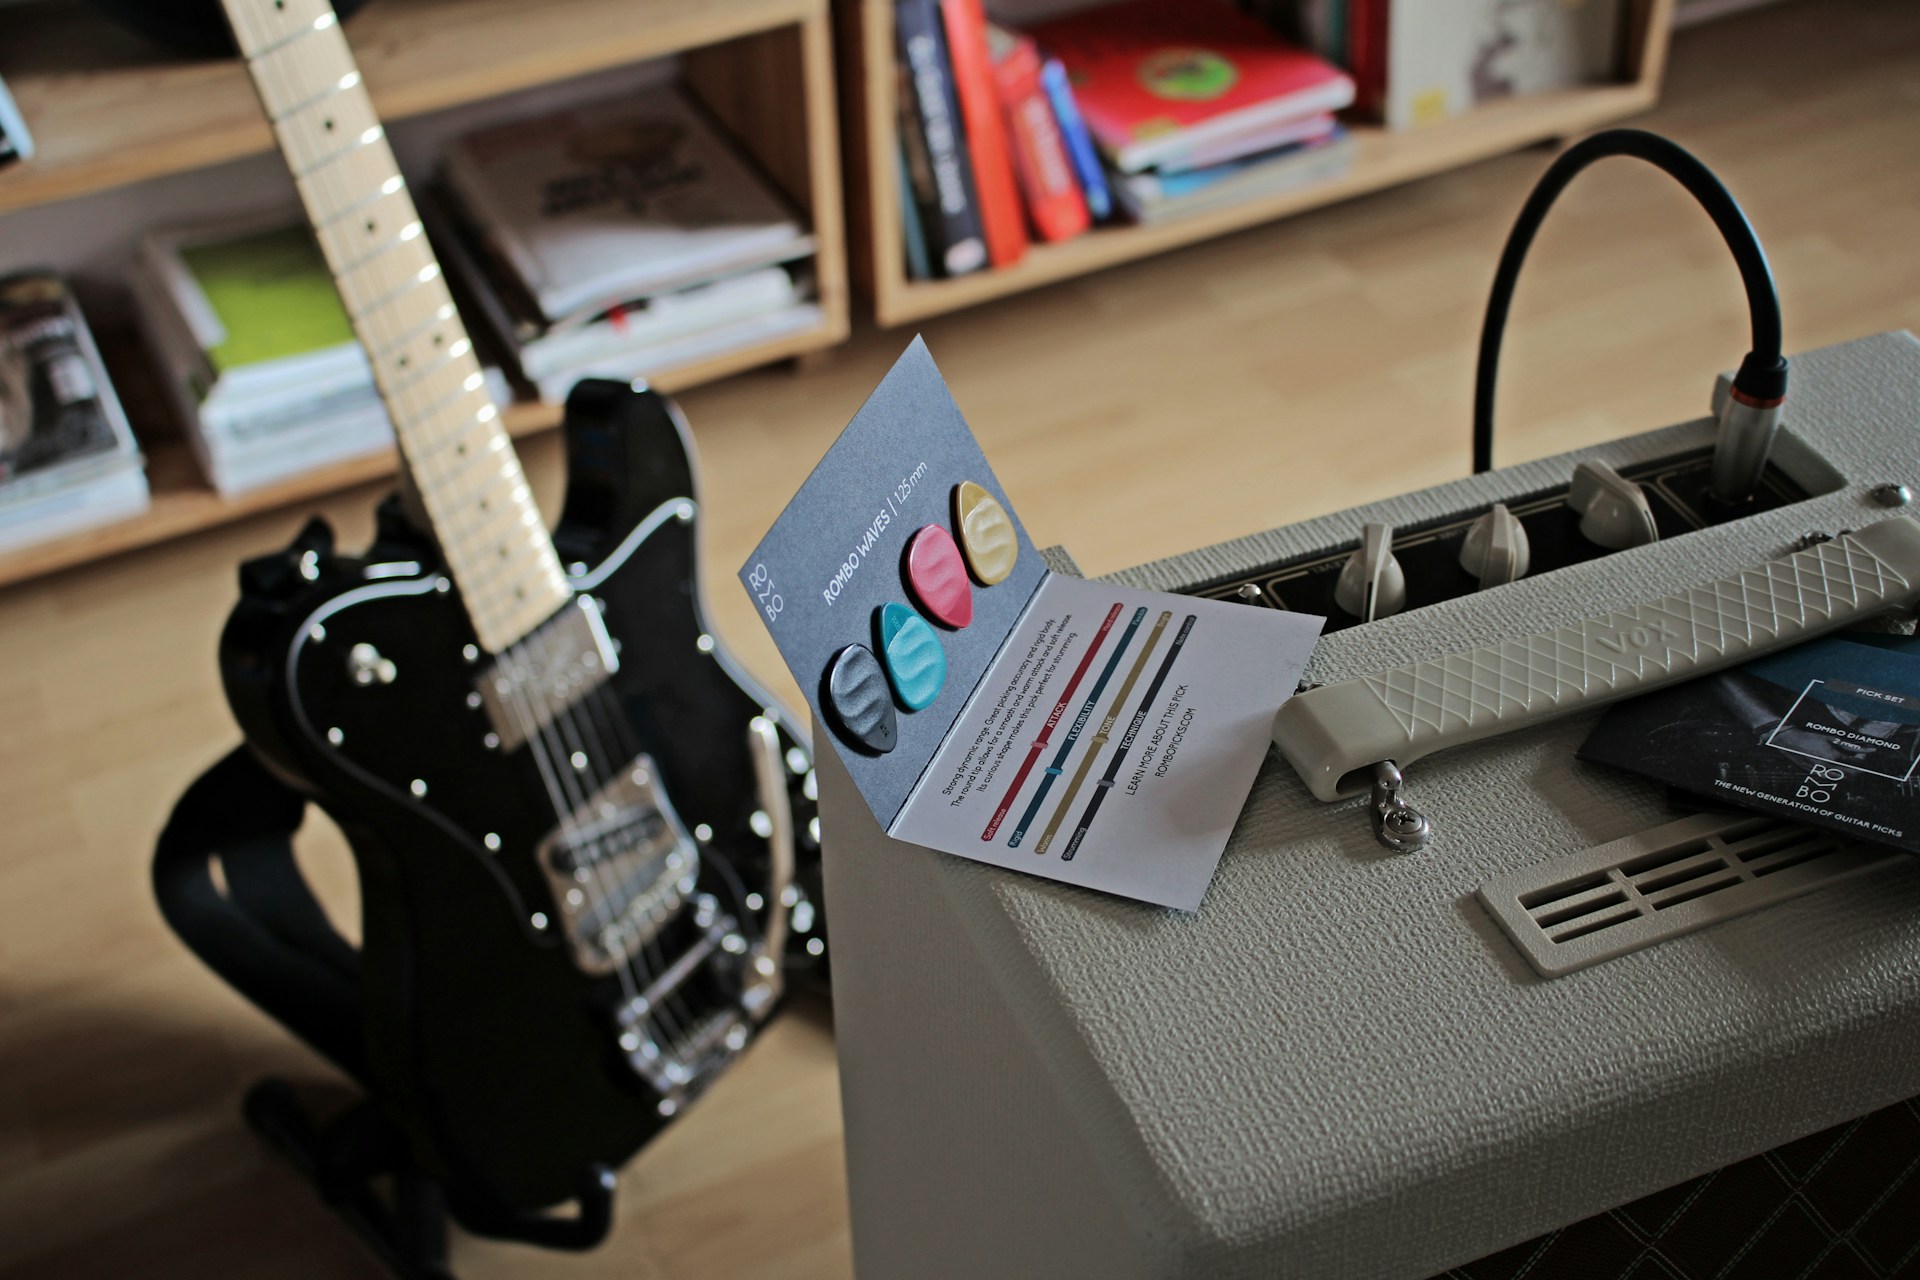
[1340,1066]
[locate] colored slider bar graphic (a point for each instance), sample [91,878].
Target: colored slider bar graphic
[1099,743]
[1046,730]
[1147,701]
[1058,766]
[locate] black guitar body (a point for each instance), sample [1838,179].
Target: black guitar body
[488,1044]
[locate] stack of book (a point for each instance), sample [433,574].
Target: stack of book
[993,151]
[1196,106]
[256,350]
[67,460]
[1149,109]
[1419,62]
[621,239]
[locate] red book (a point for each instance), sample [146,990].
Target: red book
[1000,220]
[1055,204]
[1367,53]
[1154,77]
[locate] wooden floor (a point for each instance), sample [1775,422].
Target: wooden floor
[1222,389]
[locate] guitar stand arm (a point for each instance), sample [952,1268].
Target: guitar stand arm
[407,1228]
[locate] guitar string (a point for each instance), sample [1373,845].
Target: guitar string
[511,666]
[599,883]
[602,699]
[627,748]
[566,726]
[650,957]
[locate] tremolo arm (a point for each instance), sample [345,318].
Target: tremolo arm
[1335,735]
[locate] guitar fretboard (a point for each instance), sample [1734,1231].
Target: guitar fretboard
[451,438]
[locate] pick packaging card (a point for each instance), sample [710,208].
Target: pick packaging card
[986,707]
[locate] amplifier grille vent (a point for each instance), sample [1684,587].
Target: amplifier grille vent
[1598,903]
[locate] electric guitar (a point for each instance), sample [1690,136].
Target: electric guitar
[586,840]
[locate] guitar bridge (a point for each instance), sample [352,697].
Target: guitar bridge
[619,869]
[680,1062]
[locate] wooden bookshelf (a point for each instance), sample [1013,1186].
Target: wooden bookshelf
[108,108]
[1383,158]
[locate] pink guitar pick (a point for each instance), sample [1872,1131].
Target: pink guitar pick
[938,576]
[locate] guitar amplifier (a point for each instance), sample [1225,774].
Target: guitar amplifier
[1355,1062]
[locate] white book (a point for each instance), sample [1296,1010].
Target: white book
[1150,199]
[1448,56]
[659,319]
[602,204]
[677,353]
[74,507]
[61,425]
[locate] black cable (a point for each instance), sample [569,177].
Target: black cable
[1763,374]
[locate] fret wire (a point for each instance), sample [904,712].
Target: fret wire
[426,273]
[411,228]
[420,404]
[419,364]
[366,137]
[409,316]
[282,39]
[316,66]
[257,26]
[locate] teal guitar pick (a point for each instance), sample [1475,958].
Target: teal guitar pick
[916,664]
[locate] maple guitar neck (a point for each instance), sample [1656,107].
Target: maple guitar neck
[451,439]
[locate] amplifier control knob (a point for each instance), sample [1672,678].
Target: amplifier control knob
[1372,584]
[1613,510]
[366,665]
[1495,550]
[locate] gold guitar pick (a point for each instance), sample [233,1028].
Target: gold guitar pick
[986,533]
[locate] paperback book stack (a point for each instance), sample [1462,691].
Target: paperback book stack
[1196,106]
[256,351]
[622,239]
[67,459]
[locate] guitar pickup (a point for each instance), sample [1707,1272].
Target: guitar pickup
[545,675]
[1334,735]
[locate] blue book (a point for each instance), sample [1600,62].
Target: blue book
[1086,160]
[919,266]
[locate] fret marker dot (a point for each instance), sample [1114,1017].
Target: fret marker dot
[327,124]
[579,759]
[369,225]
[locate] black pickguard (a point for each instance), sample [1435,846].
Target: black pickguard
[486,1043]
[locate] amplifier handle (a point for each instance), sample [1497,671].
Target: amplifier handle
[1334,734]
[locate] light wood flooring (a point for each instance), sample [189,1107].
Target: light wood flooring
[1222,389]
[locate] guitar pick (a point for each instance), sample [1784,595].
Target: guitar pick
[916,663]
[939,578]
[986,531]
[857,696]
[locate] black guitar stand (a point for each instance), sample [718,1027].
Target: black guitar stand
[268,937]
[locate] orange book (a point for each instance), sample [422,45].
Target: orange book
[1000,217]
[1054,201]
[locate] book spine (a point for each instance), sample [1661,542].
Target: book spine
[951,218]
[1054,202]
[913,235]
[1086,158]
[1000,218]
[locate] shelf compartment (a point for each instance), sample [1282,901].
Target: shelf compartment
[107,107]
[1383,158]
